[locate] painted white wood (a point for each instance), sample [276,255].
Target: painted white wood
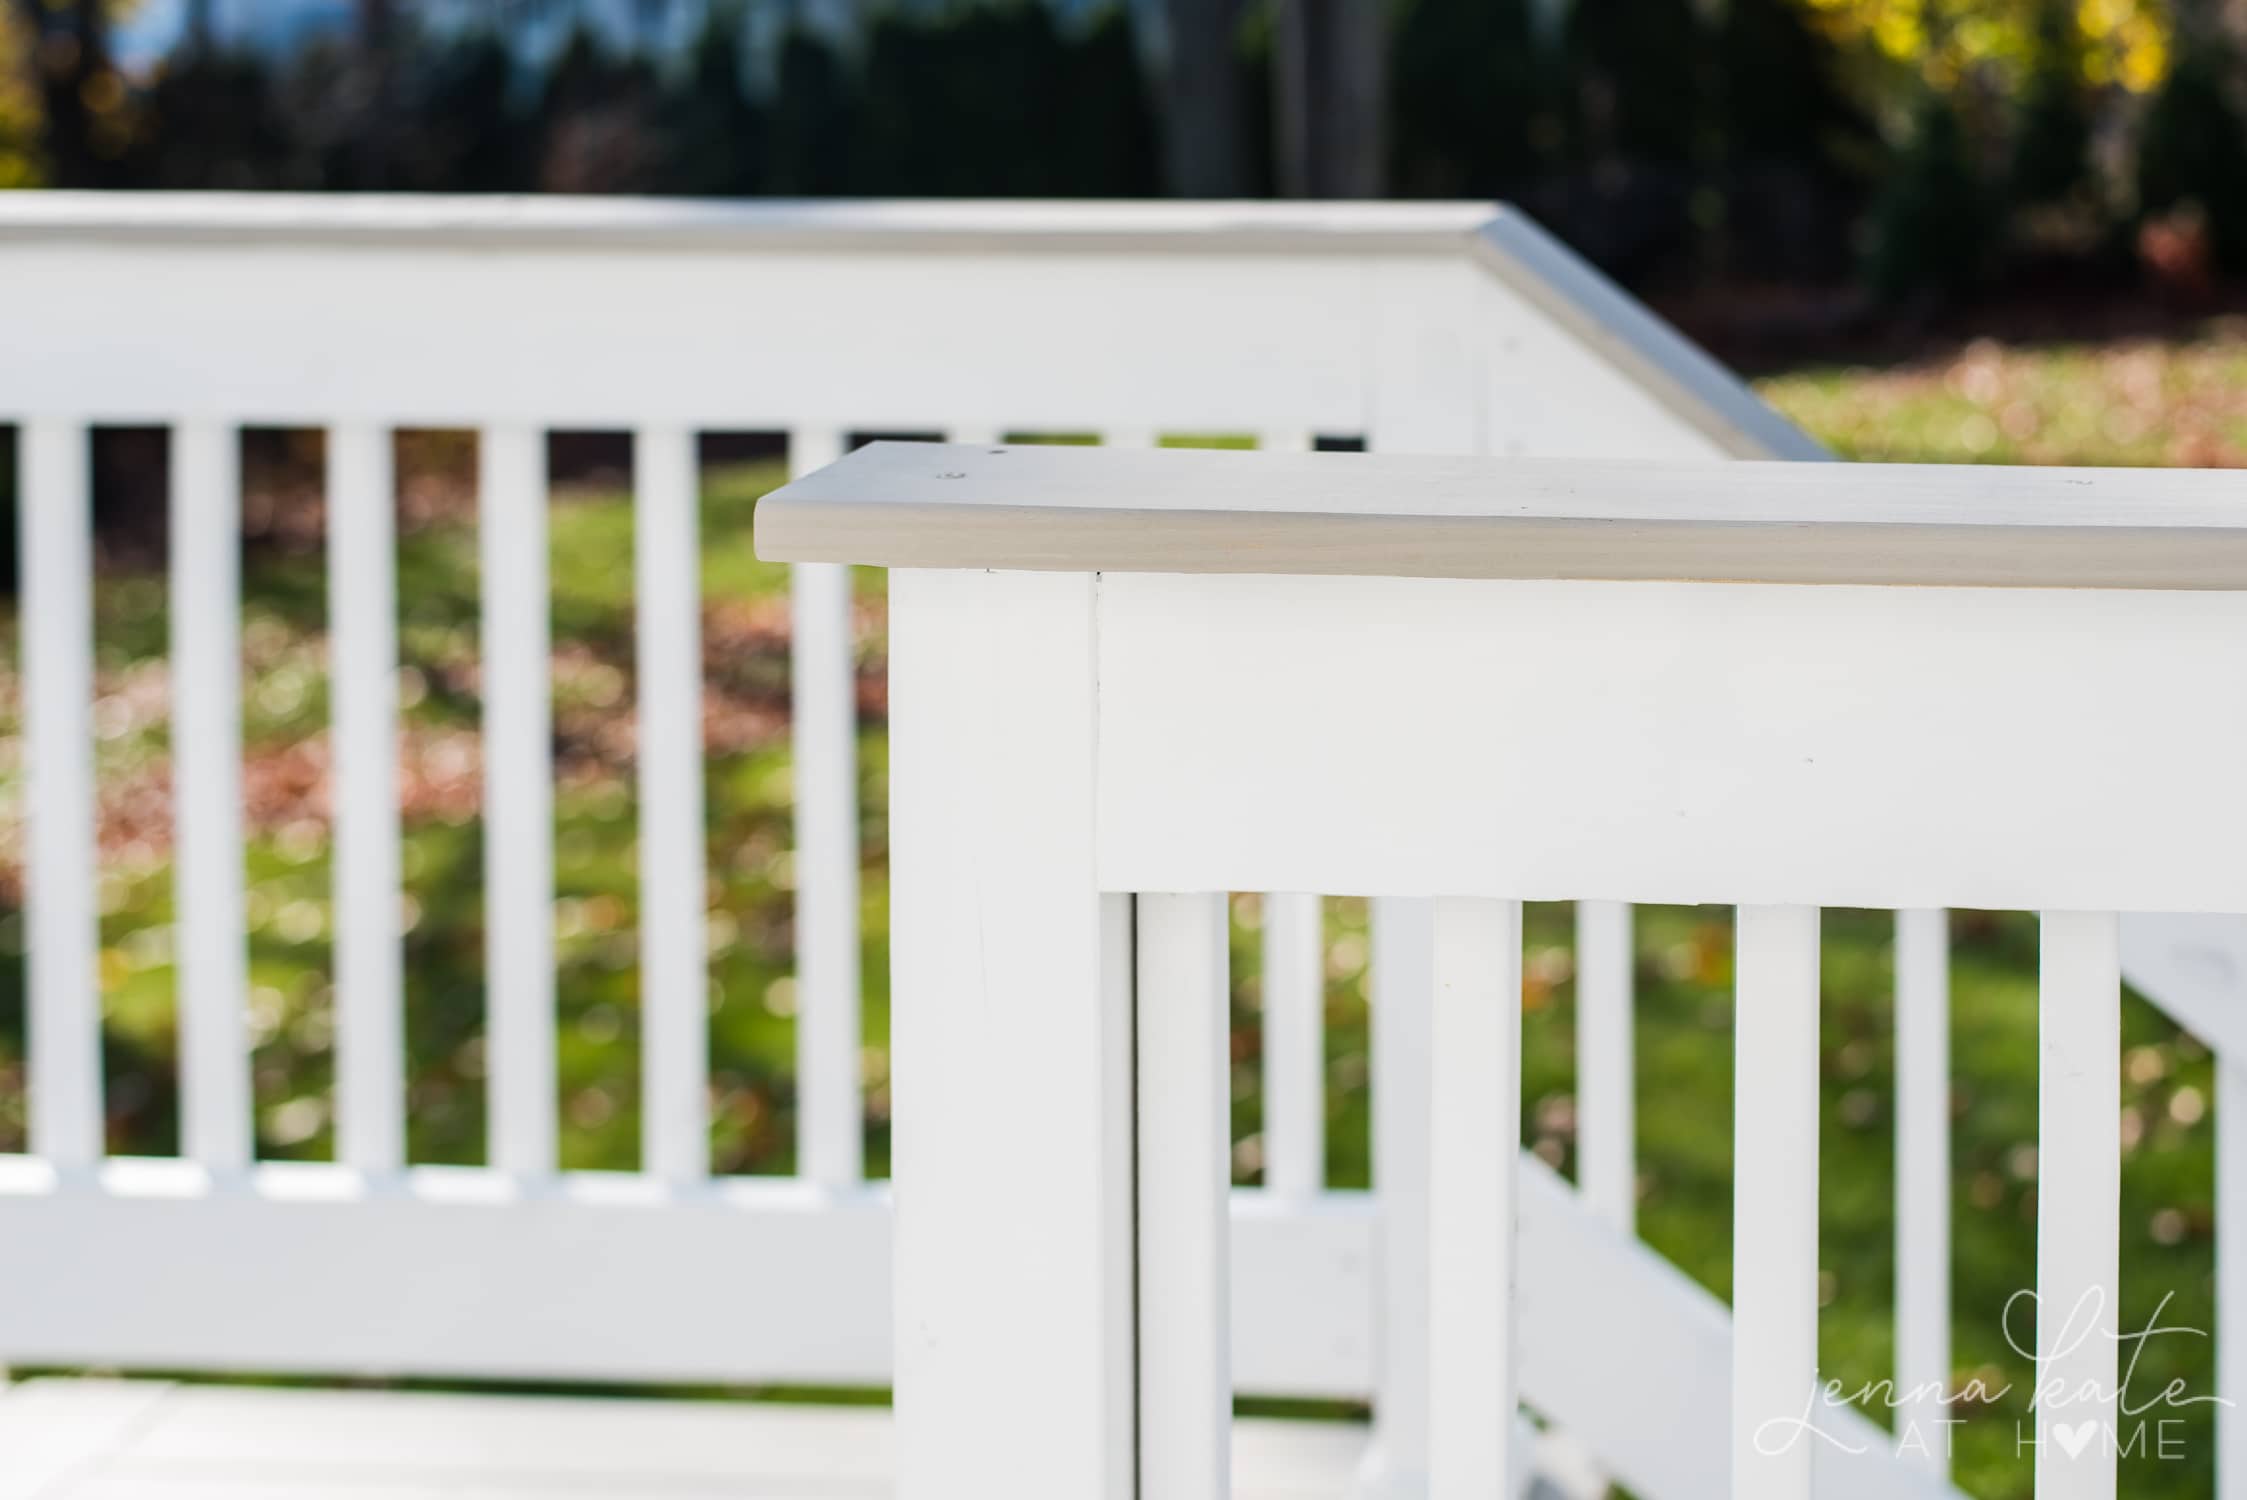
[518,798]
[1377,514]
[1129,437]
[1206,317]
[1606,1064]
[495,1278]
[498,1286]
[1294,992]
[150,1440]
[2231,1272]
[674,954]
[207,877]
[2194,966]
[55,545]
[1010,1040]
[1594,318]
[1923,1185]
[1474,1148]
[1780,769]
[1775,1203]
[2078,1205]
[1402,996]
[823,727]
[363,695]
[404,221]
[1184,1159]
[57,1431]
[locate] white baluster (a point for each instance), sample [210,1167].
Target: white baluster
[2231,1274]
[1294,989]
[1606,1078]
[518,799]
[363,692]
[830,1144]
[54,517]
[674,964]
[1923,1187]
[2078,1204]
[206,664]
[1185,1180]
[1403,938]
[1474,1159]
[1775,1202]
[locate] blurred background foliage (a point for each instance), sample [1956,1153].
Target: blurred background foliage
[1681,143]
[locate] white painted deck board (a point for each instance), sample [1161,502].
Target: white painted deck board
[63,1439]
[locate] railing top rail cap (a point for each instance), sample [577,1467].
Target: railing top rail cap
[780,224]
[1201,511]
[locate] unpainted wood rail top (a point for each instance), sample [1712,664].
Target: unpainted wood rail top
[926,505]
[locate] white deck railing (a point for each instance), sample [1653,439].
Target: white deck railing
[1433,329]
[1105,673]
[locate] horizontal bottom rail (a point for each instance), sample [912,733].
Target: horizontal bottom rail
[462,1272]
[299,1268]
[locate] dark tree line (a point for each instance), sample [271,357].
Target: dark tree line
[1665,141]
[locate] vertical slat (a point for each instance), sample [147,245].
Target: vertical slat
[830,1147]
[674,978]
[206,667]
[363,691]
[1606,1078]
[2078,1203]
[1129,437]
[518,799]
[1923,1186]
[982,435]
[2231,1274]
[1474,1159]
[1184,1098]
[1403,950]
[1294,992]
[1774,1202]
[54,517]
[1011,1042]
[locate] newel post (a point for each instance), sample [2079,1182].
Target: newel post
[1011,1024]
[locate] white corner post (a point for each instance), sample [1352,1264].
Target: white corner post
[1011,1045]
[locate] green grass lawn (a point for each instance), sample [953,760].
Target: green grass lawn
[2180,403]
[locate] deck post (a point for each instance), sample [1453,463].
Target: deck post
[1011,1032]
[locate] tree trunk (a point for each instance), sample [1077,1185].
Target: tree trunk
[1329,58]
[1201,100]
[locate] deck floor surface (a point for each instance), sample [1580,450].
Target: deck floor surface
[90,1439]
